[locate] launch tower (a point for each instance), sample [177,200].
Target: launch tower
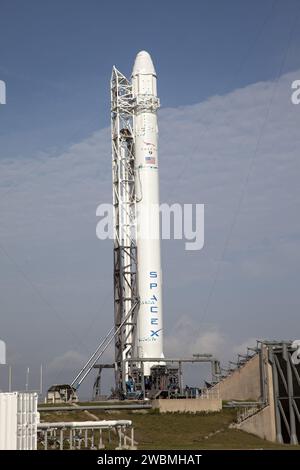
[137,298]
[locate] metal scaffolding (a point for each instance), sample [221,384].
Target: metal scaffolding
[86,435]
[124,203]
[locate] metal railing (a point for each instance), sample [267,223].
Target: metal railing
[86,435]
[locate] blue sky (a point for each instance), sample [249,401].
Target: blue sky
[229,138]
[57,56]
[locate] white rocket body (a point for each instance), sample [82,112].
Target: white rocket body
[149,338]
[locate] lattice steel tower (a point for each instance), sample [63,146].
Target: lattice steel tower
[124,202]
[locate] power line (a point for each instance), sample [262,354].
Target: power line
[188,160]
[250,169]
[39,294]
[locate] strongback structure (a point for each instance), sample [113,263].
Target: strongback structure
[124,203]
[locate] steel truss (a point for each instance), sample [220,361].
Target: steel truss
[124,207]
[286,382]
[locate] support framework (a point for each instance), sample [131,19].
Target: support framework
[97,384]
[176,373]
[124,203]
[286,384]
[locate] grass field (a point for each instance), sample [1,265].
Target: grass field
[178,431]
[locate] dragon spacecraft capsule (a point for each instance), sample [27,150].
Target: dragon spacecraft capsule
[149,338]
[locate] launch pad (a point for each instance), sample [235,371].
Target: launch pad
[140,368]
[137,266]
[264,385]
[165,380]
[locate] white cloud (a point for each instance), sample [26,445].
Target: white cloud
[242,348]
[187,338]
[238,154]
[68,361]
[209,341]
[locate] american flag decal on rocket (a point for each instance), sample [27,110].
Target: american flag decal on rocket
[150,160]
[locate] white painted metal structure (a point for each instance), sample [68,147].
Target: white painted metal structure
[104,424]
[18,421]
[85,434]
[124,203]
[149,340]
[136,216]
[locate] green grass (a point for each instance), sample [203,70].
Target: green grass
[93,403]
[179,430]
[51,417]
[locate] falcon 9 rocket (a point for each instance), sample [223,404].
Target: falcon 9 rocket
[149,339]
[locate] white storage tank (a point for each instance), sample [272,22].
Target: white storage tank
[18,421]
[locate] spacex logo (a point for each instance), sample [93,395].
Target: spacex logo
[150,300]
[154,333]
[2,92]
[154,306]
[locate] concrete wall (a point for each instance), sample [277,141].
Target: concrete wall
[188,405]
[242,384]
[263,423]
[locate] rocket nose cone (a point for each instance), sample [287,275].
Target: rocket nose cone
[143,64]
